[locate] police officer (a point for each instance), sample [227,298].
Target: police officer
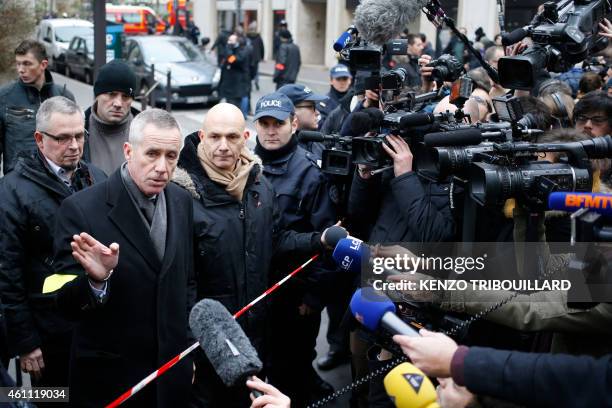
[303,197]
[340,80]
[308,117]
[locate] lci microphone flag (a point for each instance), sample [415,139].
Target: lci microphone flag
[349,253]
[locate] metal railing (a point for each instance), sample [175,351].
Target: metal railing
[146,98]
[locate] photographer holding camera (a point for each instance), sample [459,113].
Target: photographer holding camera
[399,206]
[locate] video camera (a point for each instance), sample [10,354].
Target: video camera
[513,173]
[564,34]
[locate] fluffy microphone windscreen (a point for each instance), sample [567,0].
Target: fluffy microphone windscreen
[226,345]
[361,123]
[380,21]
[368,307]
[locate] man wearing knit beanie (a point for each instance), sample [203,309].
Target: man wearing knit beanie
[108,119]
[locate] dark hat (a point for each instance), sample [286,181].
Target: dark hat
[340,71]
[298,93]
[284,34]
[276,105]
[115,76]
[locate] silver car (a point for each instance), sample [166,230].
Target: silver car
[194,78]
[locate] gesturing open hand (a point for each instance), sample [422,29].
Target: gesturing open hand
[97,259]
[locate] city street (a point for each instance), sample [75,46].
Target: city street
[191,117]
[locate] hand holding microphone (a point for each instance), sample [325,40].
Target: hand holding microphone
[332,235]
[432,352]
[271,397]
[451,395]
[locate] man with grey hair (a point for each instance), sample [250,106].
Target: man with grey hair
[31,195]
[131,309]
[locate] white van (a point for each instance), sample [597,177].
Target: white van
[56,34]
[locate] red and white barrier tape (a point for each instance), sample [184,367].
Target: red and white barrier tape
[157,373]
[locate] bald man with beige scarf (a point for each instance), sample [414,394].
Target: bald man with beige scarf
[236,234]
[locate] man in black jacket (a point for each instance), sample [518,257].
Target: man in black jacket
[306,113]
[258,52]
[305,206]
[340,83]
[31,195]
[237,232]
[397,205]
[288,60]
[132,308]
[108,119]
[20,100]
[235,72]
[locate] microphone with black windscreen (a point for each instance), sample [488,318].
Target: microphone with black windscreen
[225,344]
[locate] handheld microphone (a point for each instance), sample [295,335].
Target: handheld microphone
[597,202]
[334,234]
[379,21]
[344,38]
[361,123]
[226,345]
[409,387]
[374,311]
[349,253]
[461,137]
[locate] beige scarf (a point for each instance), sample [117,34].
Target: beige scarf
[233,180]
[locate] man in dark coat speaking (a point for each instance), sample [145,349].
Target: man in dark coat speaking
[132,308]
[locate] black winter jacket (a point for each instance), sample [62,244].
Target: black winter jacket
[235,241]
[18,106]
[538,380]
[288,62]
[31,195]
[333,122]
[303,196]
[400,209]
[236,74]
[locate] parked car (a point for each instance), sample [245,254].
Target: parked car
[135,19]
[194,77]
[56,34]
[79,58]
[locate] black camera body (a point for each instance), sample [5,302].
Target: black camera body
[446,69]
[408,125]
[564,34]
